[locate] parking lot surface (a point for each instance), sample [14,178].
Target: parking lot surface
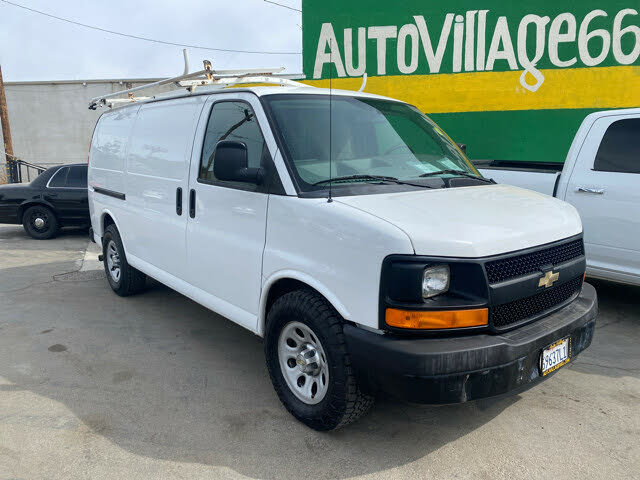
[155,386]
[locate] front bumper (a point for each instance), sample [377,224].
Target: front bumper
[457,369]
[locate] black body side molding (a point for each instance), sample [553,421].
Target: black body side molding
[110,193]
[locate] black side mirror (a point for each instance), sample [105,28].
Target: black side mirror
[230,163]
[462,147]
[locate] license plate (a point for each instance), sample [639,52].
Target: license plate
[555,356]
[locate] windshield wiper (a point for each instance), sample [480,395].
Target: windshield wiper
[382,178]
[354,177]
[460,173]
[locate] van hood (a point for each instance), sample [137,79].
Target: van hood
[475,221]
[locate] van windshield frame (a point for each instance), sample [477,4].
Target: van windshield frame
[370,136]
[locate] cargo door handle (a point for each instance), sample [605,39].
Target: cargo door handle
[179,201]
[192,203]
[597,191]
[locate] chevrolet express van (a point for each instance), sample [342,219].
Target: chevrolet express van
[349,232]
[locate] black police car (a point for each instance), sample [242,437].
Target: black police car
[56,198]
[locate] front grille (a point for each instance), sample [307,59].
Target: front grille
[518,310]
[520,265]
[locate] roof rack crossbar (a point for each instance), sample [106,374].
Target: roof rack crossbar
[205,77]
[111,102]
[150,85]
[244,79]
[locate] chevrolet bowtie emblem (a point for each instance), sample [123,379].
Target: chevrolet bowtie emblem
[548,279]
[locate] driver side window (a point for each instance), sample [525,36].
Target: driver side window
[231,120]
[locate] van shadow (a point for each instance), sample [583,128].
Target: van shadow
[162,377]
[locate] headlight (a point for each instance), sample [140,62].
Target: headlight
[435,280]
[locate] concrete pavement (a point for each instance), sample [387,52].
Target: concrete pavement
[155,386]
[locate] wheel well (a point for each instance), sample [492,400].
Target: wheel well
[23,208]
[281,287]
[106,221]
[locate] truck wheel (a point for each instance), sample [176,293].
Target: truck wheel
[123,278]
[309,363]
[40,222]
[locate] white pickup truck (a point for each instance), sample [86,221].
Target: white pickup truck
[601,178]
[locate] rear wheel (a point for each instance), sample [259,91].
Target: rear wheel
[309,364]
[123,278]
[40,222]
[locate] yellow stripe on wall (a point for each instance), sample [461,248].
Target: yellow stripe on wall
[594,87]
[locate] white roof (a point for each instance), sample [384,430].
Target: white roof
[607,113]
[260,91]
[263,91]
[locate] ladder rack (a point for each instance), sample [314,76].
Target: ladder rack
[206,77]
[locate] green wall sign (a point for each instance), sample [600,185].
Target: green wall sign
[511,80]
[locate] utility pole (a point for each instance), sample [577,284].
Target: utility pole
[6,130]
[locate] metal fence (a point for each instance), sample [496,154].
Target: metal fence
[19,171]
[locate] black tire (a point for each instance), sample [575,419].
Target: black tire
[129,281]
[343,402]
[40,222]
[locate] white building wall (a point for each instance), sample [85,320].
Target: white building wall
[51,122]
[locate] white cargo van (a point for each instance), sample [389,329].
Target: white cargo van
[348,231]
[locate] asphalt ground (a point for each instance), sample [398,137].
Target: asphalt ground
[155,386]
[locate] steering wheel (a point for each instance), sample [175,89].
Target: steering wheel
[397,147]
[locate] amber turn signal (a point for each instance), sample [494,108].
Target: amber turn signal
[426,320]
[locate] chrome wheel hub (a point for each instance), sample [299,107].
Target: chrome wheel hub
[303,363]
[39,222]
[308,360]
[113,261]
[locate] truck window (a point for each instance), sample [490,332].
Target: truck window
[231,121]
[620,148]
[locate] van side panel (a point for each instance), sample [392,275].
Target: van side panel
[107,162]
[157,168]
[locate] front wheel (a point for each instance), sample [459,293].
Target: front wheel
[309,364]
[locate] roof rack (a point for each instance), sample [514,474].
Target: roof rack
[206,77]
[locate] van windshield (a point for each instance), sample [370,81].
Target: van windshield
[368,137]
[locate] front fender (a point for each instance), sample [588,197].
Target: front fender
[302,277]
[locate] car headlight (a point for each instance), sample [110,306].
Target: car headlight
[435,280]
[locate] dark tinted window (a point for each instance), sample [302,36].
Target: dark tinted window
[231,121]
[42,179]
[60,178]
[620,148]
[77,177]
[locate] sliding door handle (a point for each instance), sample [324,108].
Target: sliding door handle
[179,201]
[597,191]
[192,203]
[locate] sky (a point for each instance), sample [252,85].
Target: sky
[35,47]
